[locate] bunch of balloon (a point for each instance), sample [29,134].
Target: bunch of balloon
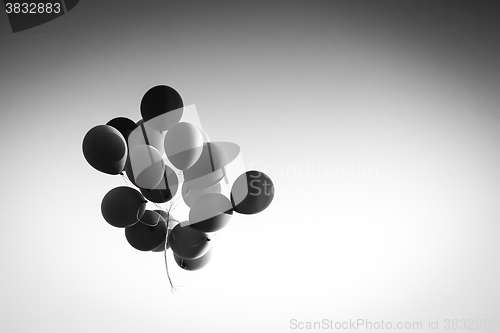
[167,159]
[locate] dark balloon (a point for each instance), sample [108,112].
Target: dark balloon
[124,125]
[252,192]
[163,103]
[144,237]
[150,218]
[105,149]
[187,242]
[210,213]
[123,206]
[166,190]
[194,264]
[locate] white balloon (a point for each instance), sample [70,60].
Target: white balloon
[183,145]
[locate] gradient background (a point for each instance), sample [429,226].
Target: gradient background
[410,89]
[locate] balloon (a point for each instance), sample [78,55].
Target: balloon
[183,145]
[150,218]
[211,212]
[124,125]
[191,195]
[194,264]
[144,237]
[188,243]
[136,137]
[143,134]
[161,247]
[161,107]
[105,149]
[208,170]
[123,206]
[165,190]
[252,192]
[145,167]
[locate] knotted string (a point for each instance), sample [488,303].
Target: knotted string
[167,223]
[172,287]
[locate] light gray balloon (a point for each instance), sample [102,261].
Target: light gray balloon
[153,138]
[210,213]
[147,166]
[209,169]
[183,145]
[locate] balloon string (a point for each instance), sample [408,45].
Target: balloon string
[174,203]
[167,222]
[172,287]
[139,220]
[158,206]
